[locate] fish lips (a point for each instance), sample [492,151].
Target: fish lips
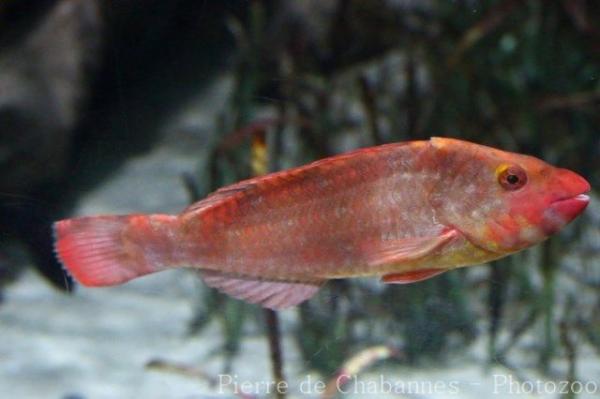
[564,209]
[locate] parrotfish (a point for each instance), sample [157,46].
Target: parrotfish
[404,212]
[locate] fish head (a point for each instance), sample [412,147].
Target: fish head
[501,201]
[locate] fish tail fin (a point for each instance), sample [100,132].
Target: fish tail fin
[110,250]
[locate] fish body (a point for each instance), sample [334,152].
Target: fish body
[403,211]
[330,219]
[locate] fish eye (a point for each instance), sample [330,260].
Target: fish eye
[511,177]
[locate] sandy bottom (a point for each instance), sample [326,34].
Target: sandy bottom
[96,343]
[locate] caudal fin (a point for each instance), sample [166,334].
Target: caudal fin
[110,250]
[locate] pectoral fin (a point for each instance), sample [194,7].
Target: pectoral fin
[407,249]
[412,276]
[270,294]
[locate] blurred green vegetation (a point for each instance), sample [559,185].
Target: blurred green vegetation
[520,75]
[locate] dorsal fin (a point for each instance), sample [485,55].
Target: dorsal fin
[220,196]
[316,171]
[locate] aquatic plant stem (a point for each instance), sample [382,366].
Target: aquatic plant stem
[260,162]
[274,335]
[547,299]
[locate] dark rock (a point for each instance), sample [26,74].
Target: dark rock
[43,81]
[46,54]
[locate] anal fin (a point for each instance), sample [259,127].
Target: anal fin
[267,293]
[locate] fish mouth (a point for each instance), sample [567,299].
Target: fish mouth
[580,198]
[571,203]
[562,211]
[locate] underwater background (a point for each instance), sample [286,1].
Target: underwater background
[114,107]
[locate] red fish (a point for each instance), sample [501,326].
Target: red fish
[405,212]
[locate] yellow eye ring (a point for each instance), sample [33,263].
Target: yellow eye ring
[511,177]
[500,169]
